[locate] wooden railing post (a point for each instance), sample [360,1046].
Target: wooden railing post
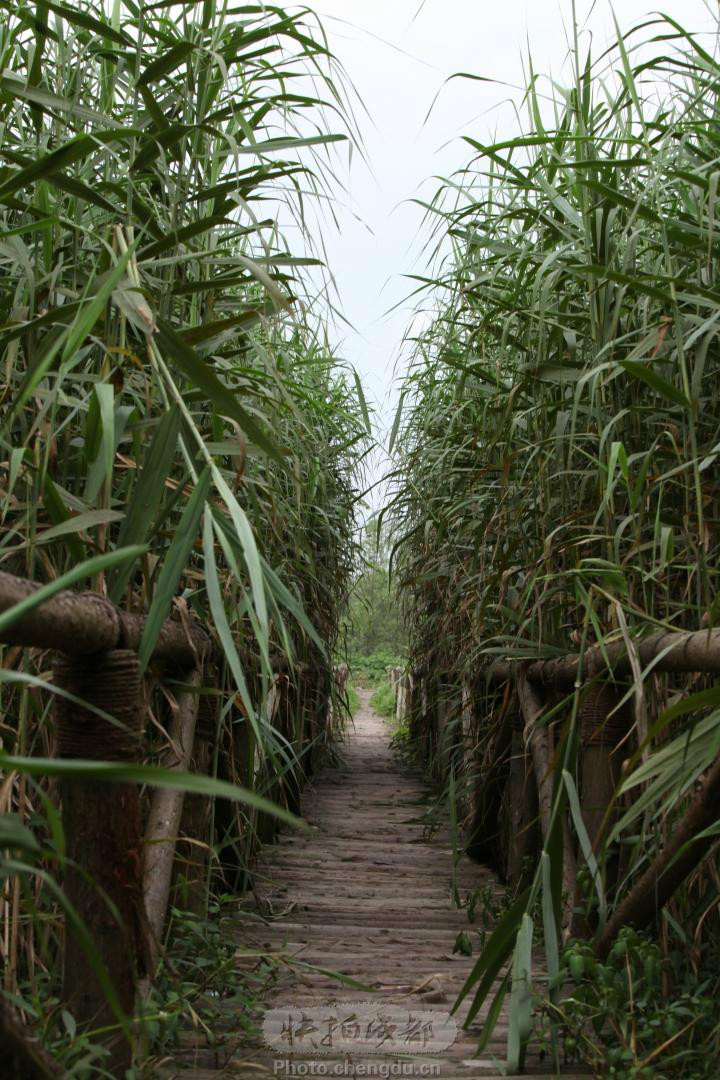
[467,732]
[166,808]
[604,725]
[104,842]
[338,696]
[428,734]
[272,785]
[483,773]
[236,764]
[537,736]
[192,857]
[416,699]
[288,715]
[318,688]
[403,698]
[521,806]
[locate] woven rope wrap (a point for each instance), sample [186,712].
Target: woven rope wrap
[110,682]
[598,727]
[517,720]
[206,724]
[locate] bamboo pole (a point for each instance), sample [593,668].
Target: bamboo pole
[190,885]
[520,809]
[270,784]
[166,807]
[537,737]
[696,650]
[292,727]
[87,623]
[680,856]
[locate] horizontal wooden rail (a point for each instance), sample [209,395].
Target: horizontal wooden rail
[87,623]
[98,666]
[602,731]
[696,650]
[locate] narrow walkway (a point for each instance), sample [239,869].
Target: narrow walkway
[366,893]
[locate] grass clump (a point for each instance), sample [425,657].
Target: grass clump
[353,699]
[383,700]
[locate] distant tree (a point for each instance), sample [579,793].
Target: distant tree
[374,620]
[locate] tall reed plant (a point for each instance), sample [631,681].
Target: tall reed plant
[177,430]
[556,450]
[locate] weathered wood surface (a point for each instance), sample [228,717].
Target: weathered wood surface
[366,893]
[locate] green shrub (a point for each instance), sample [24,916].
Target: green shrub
[353,699]
[383,700]
[620,1022]
[369,671]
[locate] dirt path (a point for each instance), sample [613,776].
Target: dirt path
[367,894]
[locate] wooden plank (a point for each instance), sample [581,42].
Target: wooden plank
[366,893]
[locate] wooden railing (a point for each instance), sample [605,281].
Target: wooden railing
[515,781]
[118,873]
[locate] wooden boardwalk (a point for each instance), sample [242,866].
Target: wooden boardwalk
[366,893]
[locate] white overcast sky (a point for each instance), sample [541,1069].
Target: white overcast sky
[398,54]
